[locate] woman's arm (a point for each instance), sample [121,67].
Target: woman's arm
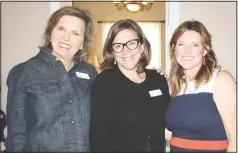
[16,112]
[225,99]
[168,134]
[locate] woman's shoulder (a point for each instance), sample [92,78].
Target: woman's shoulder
[153,74]
[16,73]
[106,78]
[86,68]
[107,74]
[224,76]
[18,69]
[157,80]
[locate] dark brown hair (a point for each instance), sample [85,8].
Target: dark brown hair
[120,25]
[83,54]
[205,72]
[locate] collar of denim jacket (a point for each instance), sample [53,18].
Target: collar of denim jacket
[46,54]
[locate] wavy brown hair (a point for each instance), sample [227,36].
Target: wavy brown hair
[83,54]
[108,62]
[204,74]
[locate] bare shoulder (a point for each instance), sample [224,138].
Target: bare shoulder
[224,78]
[224,87]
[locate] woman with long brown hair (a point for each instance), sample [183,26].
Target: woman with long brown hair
[202,112]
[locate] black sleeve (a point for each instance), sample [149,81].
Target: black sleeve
[166,85]
[16,112]
[101,98]
[166,90]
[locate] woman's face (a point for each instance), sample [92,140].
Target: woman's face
[67,37]
[127,49]
[189,51]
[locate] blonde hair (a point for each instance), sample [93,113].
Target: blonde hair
[205,72]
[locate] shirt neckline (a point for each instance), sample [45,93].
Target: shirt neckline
[132,82]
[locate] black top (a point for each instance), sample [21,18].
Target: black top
[124,117]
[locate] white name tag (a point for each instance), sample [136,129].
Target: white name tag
[82,75]
[154,93]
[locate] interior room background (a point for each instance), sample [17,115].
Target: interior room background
[23,24]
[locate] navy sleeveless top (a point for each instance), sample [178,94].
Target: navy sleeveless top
[194,120]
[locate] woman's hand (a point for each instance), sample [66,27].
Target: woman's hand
[161,71]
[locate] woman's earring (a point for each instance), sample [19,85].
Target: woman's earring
[141,55]
[204,60]
[114,61]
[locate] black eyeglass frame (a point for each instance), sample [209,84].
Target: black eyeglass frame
[125,44]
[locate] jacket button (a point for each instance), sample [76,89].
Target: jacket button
[72,121]
[149,109]
[70,100]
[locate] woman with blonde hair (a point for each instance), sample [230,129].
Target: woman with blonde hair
[202,112]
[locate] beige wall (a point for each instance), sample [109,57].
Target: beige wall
[220,20]
[23,24]
[22,28]
[107,11]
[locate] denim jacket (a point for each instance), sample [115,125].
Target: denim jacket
[48,108]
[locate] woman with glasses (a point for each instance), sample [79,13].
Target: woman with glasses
[128,101]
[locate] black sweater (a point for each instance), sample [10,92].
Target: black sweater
[124,117]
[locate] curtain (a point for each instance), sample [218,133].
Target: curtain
[105,29]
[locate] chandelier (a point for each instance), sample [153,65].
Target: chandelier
[134,6]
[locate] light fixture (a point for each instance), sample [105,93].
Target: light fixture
[134,6]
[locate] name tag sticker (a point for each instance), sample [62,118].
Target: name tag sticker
[82,75]
[154,93]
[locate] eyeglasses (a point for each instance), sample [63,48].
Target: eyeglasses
[132,44]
